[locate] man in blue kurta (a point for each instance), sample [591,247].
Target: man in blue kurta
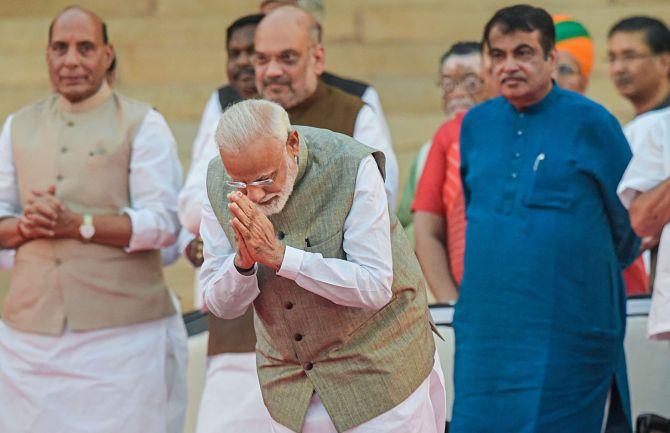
[541,316]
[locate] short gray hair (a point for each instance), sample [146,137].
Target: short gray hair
[248,120]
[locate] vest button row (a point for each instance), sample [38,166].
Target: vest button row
[308,366]
[288,305]
[298,337]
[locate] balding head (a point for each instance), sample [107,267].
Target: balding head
[78,10]
[78,54]
[289,57]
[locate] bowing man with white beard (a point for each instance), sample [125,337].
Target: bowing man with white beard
[296,222]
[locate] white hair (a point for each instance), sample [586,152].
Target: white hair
[246,121]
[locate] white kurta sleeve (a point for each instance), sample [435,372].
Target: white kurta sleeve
[154,181]
[193,193]
[371,130]
[10,204]
[647,168]
[227,293]
[364,279]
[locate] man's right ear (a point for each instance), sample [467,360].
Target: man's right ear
[293,143]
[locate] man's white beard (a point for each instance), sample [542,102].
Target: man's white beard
[282,196]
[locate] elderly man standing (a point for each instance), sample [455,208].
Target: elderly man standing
[540,318]
[439,210]
[297,223]
[89,339]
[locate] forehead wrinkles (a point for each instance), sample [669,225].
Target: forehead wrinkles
[76,23]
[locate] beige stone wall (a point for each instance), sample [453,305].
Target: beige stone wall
[171,52]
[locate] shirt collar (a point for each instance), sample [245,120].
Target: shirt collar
[88,104]
[662,105]
[303,155]
[544,102]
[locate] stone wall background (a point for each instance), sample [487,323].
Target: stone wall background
[171,54]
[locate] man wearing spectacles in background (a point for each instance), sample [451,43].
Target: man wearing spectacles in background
[639,66]
[439,218]
[639,62]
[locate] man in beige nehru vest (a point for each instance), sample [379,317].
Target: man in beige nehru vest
[297,223]
[289,59]
[90,340]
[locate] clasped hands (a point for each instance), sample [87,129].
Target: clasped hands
[254,233]
[45,216]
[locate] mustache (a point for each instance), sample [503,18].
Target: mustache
[512,77]
[285,81]
[622,79]
[244,70]
[460,102]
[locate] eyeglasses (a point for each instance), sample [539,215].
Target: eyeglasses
[629,57]
[244,185]
[565,70]
[471,83]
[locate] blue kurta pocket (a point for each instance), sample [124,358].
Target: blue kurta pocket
[552,185]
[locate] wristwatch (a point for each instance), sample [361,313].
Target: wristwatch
[86,229]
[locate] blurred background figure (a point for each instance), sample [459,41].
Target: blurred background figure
[439,211]
[461,53]
[575,54]
[639,62]
[639,66]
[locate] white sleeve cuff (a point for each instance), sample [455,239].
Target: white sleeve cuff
[290,266]
[628,188]
[145,233]
[229,299]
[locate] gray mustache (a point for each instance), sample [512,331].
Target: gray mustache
[277,80]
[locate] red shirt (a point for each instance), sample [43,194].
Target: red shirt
[440,190]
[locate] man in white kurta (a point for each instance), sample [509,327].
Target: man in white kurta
[363,281]
[90,339]
[645,191]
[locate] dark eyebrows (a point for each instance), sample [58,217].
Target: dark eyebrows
[522,47]
[289,52]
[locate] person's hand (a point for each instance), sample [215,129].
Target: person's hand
[67,224]
[243,259]
[649,242]
[46,216]
[193,252]
[41,212]
[256,231]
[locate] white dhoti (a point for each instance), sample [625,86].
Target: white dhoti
[124,379]
[231,400]
[424,411]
